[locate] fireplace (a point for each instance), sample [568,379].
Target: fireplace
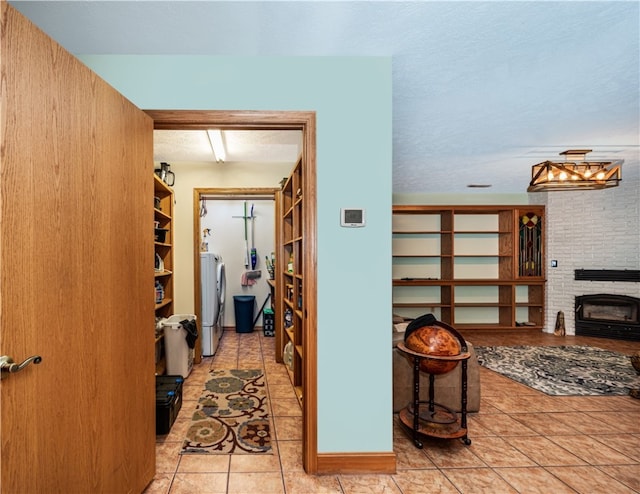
[608,316]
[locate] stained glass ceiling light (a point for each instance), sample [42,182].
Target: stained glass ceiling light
[575,173]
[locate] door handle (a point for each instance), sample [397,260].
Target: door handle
[8,366]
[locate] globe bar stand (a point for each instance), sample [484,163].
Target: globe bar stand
[433,419]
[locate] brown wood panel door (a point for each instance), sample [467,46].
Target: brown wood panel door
[76,276]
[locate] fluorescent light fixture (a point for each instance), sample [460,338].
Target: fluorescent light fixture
[217,144]
[576,173]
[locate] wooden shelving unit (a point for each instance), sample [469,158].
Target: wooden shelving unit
[473,267]
[290,323]
[163,215]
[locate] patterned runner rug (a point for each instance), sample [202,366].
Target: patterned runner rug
[232,415]
[563,370]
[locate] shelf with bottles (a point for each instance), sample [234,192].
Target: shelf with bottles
[163,271]
[298,294]
[163,300]
[289,281]
[287,322]
[288,340]
[163,283]
[289,293]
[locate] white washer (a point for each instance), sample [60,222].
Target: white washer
[210,285]
[221,288]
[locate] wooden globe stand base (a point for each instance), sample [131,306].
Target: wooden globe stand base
[433,419]
[440,422]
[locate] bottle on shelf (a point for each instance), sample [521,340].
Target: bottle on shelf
[288,318]
[159,292]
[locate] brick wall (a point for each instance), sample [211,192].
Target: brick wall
[593,229]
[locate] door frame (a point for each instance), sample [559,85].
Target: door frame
[236,193]
[305,121]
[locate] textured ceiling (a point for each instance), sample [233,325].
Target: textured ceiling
[481,90]
[241,146]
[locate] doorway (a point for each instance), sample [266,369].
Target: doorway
[218,220]
[274,120]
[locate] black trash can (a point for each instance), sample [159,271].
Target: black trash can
[244,306]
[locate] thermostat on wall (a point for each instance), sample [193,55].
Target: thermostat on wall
[352,217]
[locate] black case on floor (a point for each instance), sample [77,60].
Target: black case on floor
[168,402]
[268,323]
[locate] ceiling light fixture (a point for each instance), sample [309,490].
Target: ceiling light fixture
[217,144]
[575,173]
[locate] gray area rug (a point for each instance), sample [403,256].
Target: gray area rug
[563,370]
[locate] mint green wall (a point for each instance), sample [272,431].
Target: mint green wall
[352,98]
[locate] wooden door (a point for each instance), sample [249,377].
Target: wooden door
[76,276]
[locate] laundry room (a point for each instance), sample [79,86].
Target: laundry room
[224,184]
[240,234]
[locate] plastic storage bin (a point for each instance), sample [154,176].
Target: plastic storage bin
[244,306]
[168,402]
[268,322]
[179,355]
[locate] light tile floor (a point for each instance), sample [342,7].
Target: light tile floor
[523,441]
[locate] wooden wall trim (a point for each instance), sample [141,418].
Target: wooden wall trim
[356,463]
[245,120]
[310,288]
[283,120]
[237,192]
[214,193]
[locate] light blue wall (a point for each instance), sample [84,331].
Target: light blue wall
[352,98]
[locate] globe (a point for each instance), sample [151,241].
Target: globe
[434,341]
